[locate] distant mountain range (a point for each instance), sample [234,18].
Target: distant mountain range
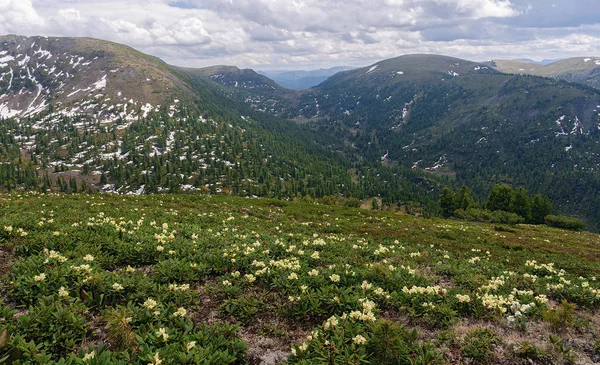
[78,111]
[585,70]
[466,122]
[301,80]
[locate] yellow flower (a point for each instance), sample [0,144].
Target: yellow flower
[334,277]
[190,345]
[162,332]
[359,340]
[117,287]
[89,356]
[150,303]
[62,292]
[40,277]
[226,283]
[155,360]
[88,258]
[181,312]
[250,278]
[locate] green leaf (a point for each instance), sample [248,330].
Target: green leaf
[4,337]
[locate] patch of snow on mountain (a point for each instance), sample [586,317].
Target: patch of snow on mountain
[453,73]
[146,109]
[586,60]
[7,112]
[568,148]
[100,84]
[400,72]
[577,127]
[5,59]
[372,69]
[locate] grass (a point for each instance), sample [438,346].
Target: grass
[227,280]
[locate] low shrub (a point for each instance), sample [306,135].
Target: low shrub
[561,221]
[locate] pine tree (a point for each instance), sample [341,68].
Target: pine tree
[447,202]
[541,206]
[521,204]
[500,198]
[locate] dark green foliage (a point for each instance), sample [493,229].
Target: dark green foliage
[392,344]
[447,202]
[541,206]
[503,217]
[500,198]
[564,222]
[521,204]
[479,345]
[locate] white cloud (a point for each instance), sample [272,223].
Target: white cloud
[274,33]
[18,16]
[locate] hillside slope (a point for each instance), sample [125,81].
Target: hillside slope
[584,70]
[224,280]
[81,114]
[469,123]
[69,76]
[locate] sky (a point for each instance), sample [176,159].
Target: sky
[310,34]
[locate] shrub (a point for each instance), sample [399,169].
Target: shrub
[474,214]
[478,345]
[561,221]
[504,217]
[529,351]
[560,318]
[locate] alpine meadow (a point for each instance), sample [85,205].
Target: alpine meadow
[359,199]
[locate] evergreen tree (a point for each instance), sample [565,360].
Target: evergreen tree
[541,206]
[500,198]
[521,204]
[463,199]
[447,202]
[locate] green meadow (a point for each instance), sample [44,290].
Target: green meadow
[196,279]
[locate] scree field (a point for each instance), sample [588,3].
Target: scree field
[106,279]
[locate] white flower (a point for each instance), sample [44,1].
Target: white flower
[160,248]
[181,312]
[293,276]
[155,360]
[190,345]
[226,283]
[359,340]
[334,277]
[313,272]
[162,332]
[88,258]
[89,356]
[250,278]
[150,303]
[315,255]
[62,292]
[117,287]
[40,277]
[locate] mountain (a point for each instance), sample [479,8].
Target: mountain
[585,70]
[301,80]
[84,114]
[468,123]
[70,76]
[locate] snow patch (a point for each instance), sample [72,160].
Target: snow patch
[100,84]
[372,69]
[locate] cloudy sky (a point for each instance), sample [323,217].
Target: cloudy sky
[305,34]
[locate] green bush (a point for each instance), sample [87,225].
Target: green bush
[504,217]
[478,345]
[561,221]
